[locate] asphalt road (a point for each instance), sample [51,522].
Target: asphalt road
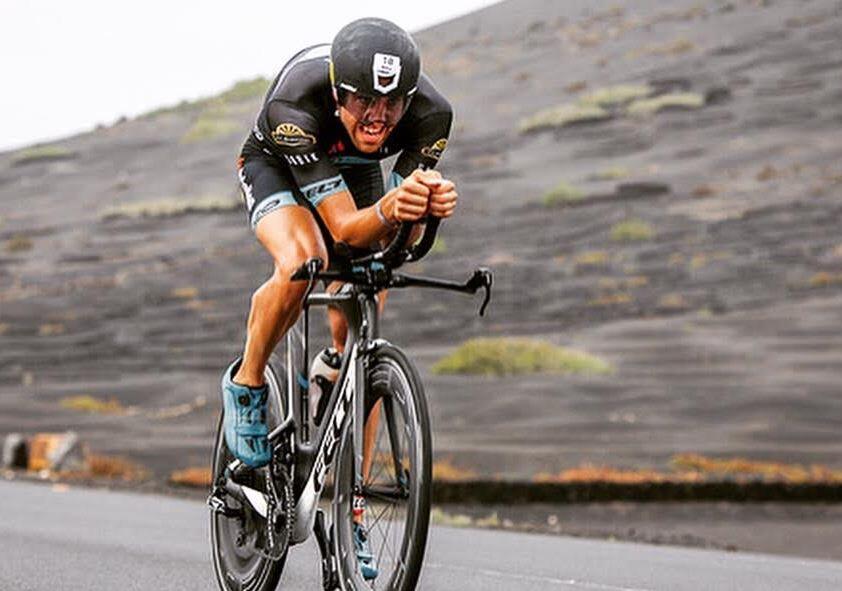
[54,538]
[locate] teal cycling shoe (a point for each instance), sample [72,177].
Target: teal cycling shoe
[368,566]
[244,411]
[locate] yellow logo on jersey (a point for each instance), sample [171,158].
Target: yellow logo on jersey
[435,151]
[292,136]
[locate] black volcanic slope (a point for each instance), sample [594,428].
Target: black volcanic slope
[722,323]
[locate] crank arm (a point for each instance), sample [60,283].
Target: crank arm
[254,498]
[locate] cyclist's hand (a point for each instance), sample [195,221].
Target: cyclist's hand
[443,199]
[411,198]
[443,194]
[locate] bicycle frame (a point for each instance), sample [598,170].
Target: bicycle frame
[346,402]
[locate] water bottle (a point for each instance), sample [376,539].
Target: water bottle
[324,372]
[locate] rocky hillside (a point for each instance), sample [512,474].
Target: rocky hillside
[656,184]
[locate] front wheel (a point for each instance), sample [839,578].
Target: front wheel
[397,487]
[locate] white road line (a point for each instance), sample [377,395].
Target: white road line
[534,578]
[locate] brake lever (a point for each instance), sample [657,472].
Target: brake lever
[482,277]
[309,270]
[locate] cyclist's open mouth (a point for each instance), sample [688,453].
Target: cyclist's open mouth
[374,132]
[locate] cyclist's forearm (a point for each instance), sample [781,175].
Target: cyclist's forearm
[364,226]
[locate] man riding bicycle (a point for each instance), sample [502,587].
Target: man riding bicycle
[311,179]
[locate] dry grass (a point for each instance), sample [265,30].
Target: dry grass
[675,47]
[636,281]
[50,329]
[679,100]
[615,173]
[439,517]
[764,470]
[673,301]
[699,468]
[632,230]
[703,259]
[612,299]
[114,468]
[767,173]
[196,477]
[592,473]
[18,243]
[825,279]
[563,115]
[592,258]
[185,293]
[445,470]
[170,207]
[613,96]
[575,87]
[93,405]
[704,191]
[512,356]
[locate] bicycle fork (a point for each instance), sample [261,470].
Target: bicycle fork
[330,574]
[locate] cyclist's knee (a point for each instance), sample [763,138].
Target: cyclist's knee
[290,260]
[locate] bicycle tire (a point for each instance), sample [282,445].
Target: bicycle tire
[240,570]
[389,369]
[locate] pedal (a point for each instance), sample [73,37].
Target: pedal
[330,578]
[217,505]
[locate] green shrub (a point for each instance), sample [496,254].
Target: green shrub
[240,91]
[631,231]
[212,123]
[245,89]
[563,192]
[563,115]
[679,100]
[42,154]
[511,356]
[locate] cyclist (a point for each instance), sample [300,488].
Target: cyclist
[310,176]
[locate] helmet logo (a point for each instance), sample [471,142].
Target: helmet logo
[387,72]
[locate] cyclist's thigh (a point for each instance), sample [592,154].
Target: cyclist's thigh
[365,182]
[286,229]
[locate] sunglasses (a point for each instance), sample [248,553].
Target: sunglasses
[370,109]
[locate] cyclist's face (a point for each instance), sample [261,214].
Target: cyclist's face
[370,120]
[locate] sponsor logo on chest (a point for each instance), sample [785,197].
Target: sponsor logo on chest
[292,136]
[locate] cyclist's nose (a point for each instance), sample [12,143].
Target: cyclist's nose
[377,110]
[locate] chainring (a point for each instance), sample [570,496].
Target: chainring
[275,538]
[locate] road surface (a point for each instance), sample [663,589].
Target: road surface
[54,538]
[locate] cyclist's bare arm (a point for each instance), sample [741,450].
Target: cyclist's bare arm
[406,203]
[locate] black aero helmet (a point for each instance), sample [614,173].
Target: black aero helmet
[374,57]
